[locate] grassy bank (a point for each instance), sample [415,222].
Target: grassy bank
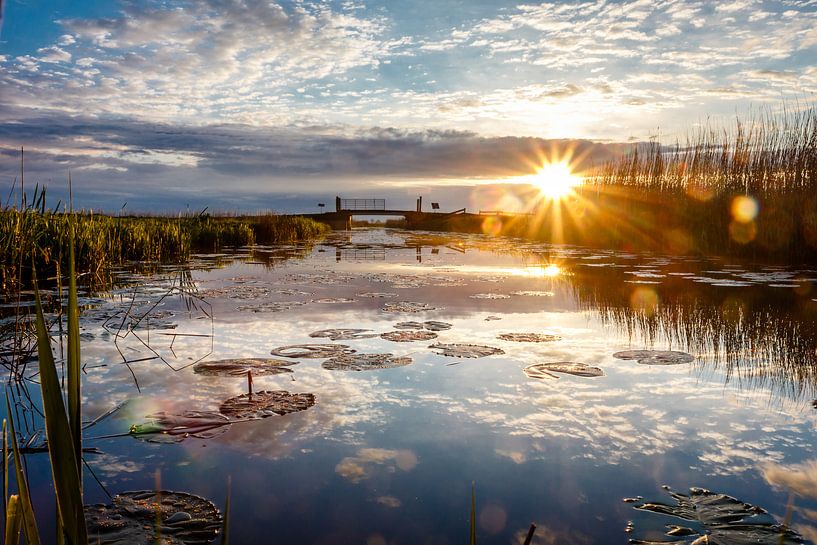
[746,190]
[103,241]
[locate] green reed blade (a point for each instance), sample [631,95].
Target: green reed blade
[225,523]
[64,463]
[5,468]
[14,521]
[473,539]
[29,522]
[74,376]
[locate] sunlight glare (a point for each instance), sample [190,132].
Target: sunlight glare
[556,180]
[541,271]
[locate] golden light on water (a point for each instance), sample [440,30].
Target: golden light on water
[541,271]
[556,180]
[552,270]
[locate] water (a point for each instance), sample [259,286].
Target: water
[389,455]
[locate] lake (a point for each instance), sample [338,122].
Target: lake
[386,448]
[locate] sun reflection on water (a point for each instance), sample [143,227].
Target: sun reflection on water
[550,270]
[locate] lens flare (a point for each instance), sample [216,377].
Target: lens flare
[540,271]
[556,180]
[744,209]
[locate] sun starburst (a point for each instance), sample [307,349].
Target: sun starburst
[556,180]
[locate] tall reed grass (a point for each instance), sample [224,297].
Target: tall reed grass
[103,241]
[746,188]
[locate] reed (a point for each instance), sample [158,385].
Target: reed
[65,460]
[103,241]
[25,512]
[746,189]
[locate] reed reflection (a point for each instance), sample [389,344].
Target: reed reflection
[758,336]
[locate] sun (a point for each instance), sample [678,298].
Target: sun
[556,180]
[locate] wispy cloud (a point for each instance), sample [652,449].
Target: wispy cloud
[267,89]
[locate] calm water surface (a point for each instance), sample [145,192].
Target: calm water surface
[387,456]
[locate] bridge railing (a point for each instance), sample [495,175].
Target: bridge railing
[363,204]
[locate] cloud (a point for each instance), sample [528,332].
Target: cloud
[53,54]
[362,466]
[212,58]
[254,157]
[799,478]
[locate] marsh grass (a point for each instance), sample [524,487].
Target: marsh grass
[746,189]
[103,241]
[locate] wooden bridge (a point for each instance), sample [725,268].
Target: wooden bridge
[345,209]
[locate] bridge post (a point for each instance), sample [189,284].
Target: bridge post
[420,203]
[337,204]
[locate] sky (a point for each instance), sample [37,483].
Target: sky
[249,105]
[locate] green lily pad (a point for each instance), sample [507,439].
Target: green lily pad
[165,427]
[241,366]
[655,357]
[343,334]
[408,336]
[314,351]
[365,362]
[464,350]
[720,519]
[529,337]
[130,519]
[264,404]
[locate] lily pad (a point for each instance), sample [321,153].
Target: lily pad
[365,362]
[464,350]
[311,350]
[378,294]
[408,336]
[655,357]
[533,293]
[264,404]
[343,334]
[239,367]
[433,325]
[407,306]
[271,306]
[131,519]
[529,337]
[334,300]
[546,370]
[409,325]
[722,519]
[165,427]
[489,296]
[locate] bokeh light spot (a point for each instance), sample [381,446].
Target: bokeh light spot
[742,233]
[492,226]
[644,300]
[744,209]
